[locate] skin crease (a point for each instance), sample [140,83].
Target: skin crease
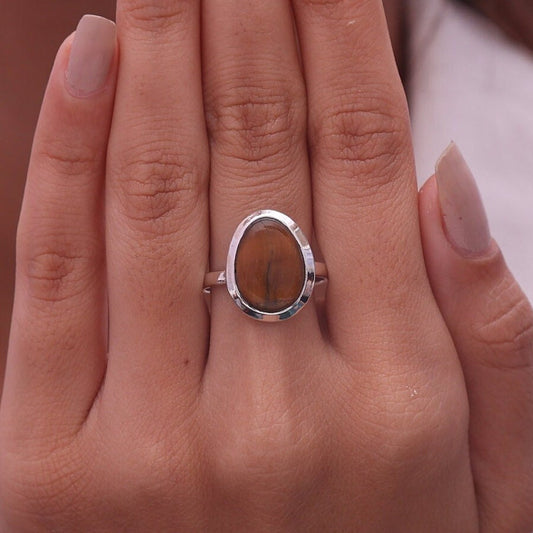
[209,455]
[30,59]
[28,62]
[361,428]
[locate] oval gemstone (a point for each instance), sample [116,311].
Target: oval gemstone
[269,266]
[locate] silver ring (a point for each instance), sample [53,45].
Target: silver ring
[270,269]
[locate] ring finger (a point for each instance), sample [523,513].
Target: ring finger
[256,115]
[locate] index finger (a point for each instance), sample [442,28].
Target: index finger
[364,186]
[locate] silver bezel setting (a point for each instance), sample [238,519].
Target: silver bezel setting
[307,256]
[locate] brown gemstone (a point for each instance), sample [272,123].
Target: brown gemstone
[269,267]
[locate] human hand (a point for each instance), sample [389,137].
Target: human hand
[198,422]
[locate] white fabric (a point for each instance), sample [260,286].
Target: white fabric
[470,84]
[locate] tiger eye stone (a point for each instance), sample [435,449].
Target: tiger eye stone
[269,267]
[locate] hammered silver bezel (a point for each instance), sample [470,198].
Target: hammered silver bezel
[307,257]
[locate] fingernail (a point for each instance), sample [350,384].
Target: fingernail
[91,55]
[464,218]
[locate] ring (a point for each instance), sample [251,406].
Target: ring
[270,270]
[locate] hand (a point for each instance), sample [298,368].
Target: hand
[172,419]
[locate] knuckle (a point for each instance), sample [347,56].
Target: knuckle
[418,420]
[159,187]
[40,491]
[57,272]
[429,428]
[155,17]
[268,456]
[334,11]
[506,325]
[64,159]
[364,139]
[153,467]
[256,126]
[322,4]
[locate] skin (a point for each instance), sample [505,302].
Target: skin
[19,105]
[30,59]
[28,63]
[177,419]
[27,18]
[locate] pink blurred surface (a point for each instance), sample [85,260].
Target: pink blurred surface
[471,84]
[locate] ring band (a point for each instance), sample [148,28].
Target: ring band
[270,269]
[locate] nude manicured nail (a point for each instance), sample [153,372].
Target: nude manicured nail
[91,55]
[464,217]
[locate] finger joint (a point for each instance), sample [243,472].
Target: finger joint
[253,127]
[365,143]
[159,188]
[158,17]
[58,273]
[506,326]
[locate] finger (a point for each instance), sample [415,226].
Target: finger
[157,200]
[364,186]
[491,322]
[256,111]
[58,344]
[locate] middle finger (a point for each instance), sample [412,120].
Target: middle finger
[157,222]
[256,116]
